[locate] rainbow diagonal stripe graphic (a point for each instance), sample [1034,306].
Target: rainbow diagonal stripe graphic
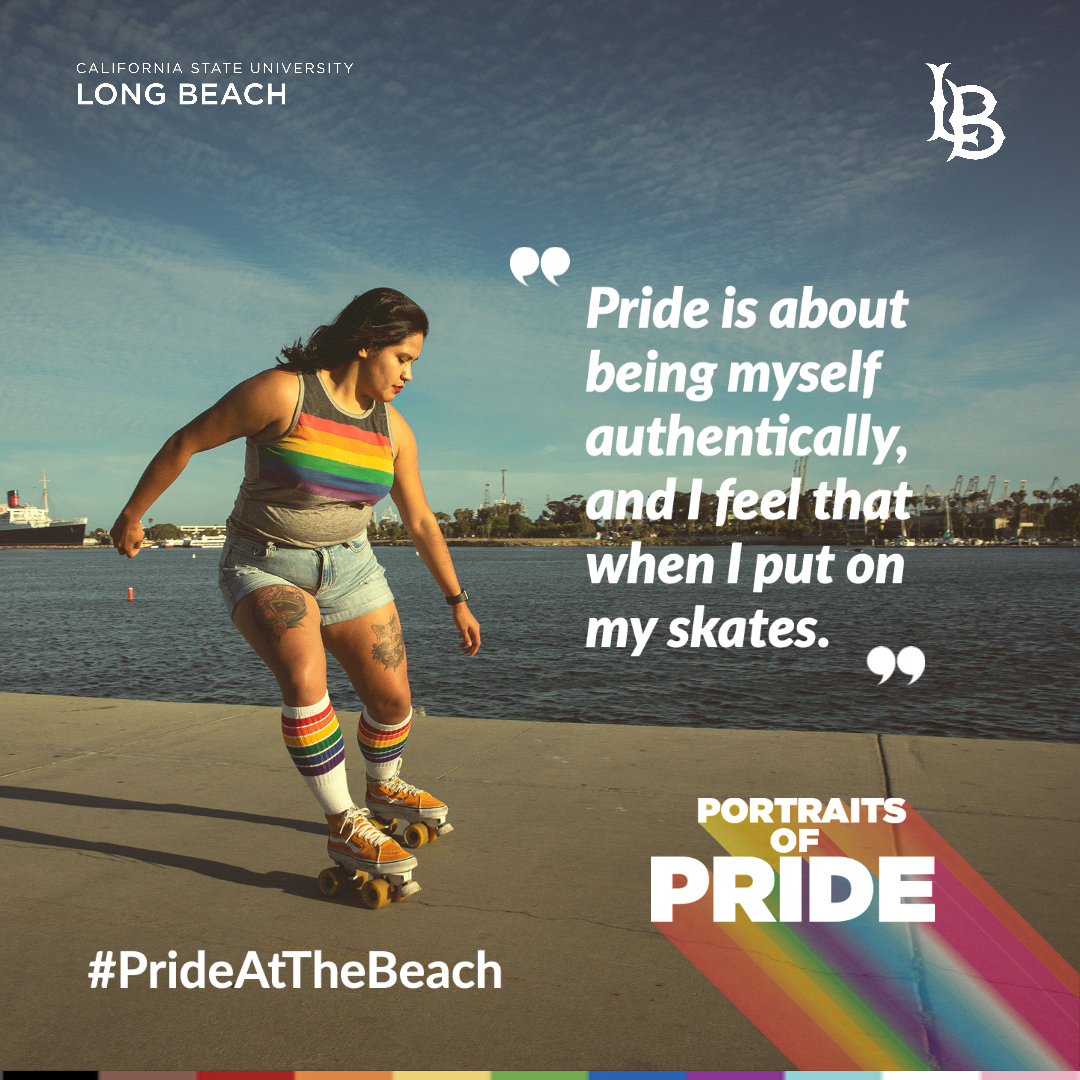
[336,461]
[976,989]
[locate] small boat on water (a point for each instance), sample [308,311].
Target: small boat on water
[31,526]
[204,542]
[198,541]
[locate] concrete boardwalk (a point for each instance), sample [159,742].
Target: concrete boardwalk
[153,826]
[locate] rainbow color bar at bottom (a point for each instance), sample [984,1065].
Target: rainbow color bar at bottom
[590,1075]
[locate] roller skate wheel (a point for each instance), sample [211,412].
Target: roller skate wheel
[375,893]
[332,880]
[415,835]
[403,892]
[387,825]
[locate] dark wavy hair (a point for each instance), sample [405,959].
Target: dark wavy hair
[373,320]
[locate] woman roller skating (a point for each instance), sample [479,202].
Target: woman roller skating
[298,575]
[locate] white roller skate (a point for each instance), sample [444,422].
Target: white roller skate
[368,859]
[391,799]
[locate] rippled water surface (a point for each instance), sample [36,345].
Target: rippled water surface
[998,626]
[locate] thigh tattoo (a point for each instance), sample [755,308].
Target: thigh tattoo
[389,647]
[279,608]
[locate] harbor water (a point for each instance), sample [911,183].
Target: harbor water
[999,628]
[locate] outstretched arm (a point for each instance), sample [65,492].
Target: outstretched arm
[260,407]
[419,521]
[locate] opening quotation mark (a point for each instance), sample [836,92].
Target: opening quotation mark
[910,661]
[553,263]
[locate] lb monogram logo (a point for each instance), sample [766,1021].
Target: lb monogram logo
[959,120]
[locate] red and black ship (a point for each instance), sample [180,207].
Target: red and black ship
[31,526]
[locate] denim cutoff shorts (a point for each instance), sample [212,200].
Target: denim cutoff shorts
[345,579]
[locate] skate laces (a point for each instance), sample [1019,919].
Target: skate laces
[357,823]
[397,786]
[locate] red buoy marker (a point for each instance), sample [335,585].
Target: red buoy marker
[131,594]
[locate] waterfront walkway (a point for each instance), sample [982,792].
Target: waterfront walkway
[157,826]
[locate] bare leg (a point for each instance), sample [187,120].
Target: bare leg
[371,650]
[282,624]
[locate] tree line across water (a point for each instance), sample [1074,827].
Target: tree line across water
[1054,513]
[1051,514]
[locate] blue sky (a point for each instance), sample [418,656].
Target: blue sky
[151,257]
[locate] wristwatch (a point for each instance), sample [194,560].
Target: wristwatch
[459,599]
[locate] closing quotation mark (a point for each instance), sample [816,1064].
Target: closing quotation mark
[909,660]
[553,263]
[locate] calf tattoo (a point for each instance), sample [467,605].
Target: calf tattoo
[389,647]
[279,608]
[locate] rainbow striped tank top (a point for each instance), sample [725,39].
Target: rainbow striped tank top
[316,485]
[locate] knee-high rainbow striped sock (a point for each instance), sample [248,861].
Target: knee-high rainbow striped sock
[314,740]
[381,744]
